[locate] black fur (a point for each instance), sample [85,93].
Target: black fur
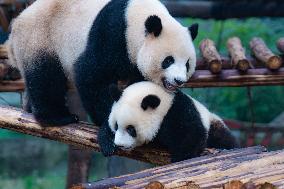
[182,131]
[106,140]
[46,90]
[115,92]
[150,101]
[193,29]
[220,137]
[105,61]
[153,25]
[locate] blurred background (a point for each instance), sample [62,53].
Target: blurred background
[32,163]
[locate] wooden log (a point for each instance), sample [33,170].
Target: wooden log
[249,165]
[3,52]
[211,56]
[238,54]
[264,54]
[224,9]
[280,45]
[81,135]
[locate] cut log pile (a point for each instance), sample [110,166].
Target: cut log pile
[213,70]
[248,167]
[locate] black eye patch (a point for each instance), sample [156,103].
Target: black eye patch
[115,127]
[131,131]
[187,65]
[168,62]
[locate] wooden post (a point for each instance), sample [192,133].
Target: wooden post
[79,160]
[237,53]
[280,45]
[264,54]
[211,56]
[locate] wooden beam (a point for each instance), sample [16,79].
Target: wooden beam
[12,86]
[224,9]
[252,165]
[233,78]
[202,78]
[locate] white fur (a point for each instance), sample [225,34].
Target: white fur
[149,52]
[127,111]
[205,115]
[57,26]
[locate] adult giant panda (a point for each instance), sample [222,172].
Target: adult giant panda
[93,43]
[145,112]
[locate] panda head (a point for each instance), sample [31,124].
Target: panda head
[167,56]
[137,114]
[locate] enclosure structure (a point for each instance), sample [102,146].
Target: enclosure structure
[260,67]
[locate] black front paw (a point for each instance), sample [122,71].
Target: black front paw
[106,140]
[49,121]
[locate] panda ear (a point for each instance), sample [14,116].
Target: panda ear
[150,101]
[153,25]
[115,92]
[193,29]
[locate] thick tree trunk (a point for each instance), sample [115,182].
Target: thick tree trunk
[211,56]
[79,160]
[264,54]
[238,54]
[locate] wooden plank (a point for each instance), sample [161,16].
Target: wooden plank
[12,86]
[213,171]
[233,78]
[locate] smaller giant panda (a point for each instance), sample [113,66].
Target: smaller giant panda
[145,112]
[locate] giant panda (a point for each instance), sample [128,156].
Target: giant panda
[144,112]
[91,44]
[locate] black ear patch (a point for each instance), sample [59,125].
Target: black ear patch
[115,92]
[150,101]
[153,25]
[193,29]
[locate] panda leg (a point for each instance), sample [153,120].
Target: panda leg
[46,90]
[220,137]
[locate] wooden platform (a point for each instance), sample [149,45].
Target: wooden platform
[252,165]
[213,70]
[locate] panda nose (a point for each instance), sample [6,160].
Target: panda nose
[179,82]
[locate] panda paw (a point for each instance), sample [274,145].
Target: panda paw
[105,140]
[58,121]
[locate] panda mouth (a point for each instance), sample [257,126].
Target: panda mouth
[126,149]
[169,86]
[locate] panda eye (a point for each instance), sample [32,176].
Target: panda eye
[187,65]
[116,127]
[168,62]
[131,131]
